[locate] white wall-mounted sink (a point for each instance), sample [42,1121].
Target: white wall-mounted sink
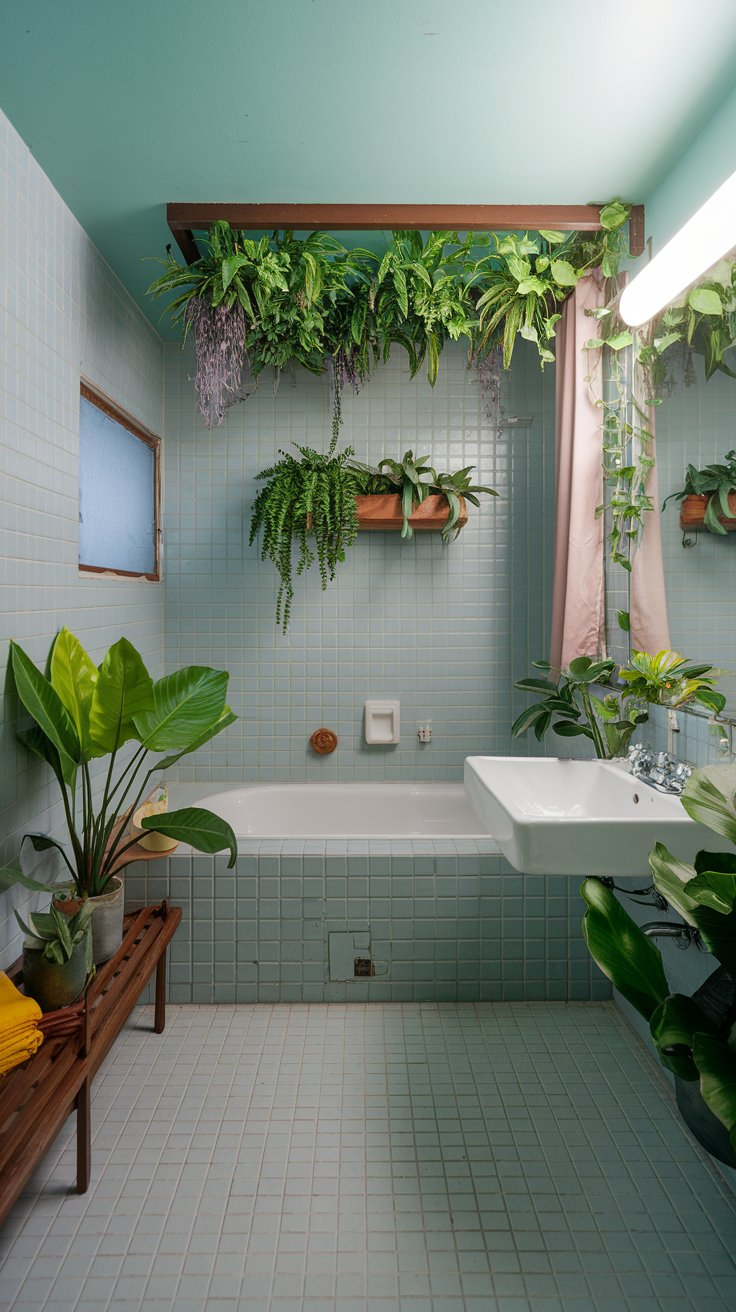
[552,816]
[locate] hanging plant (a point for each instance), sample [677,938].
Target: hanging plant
[219,336]
[306,500]
[306,302]
[309,503]
[273,300]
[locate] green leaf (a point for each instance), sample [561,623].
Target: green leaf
[230,267]
[536,685]
[36,741]
[186,705]
[123,691]
[11,875]
[228,717]
[716,1061]
[705,300]
[706,804]
[563,273]
[614,215]
[535,285]
[549,235]
[619,340]
[625,954]
[580,666]
[43,703]
[73,676]
[624,620]
[527,719]
[715,888]
[671,878]
[673,1027]
[194,825]
[567,729]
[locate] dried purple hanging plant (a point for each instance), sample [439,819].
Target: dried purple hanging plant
[219,343]
[346,369]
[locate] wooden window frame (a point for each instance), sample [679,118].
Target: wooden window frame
[126,421]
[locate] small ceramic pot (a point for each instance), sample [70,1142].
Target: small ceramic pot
[52,985]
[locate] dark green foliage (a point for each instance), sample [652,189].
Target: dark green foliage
[690,1042]
[306,302]
[570,708]
[306,500]
[413,479]
[309,500]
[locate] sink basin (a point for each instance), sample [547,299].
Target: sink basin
[552,816]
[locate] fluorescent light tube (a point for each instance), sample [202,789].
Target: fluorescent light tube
[704,240]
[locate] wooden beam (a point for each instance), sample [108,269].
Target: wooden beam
[184,218]
[637,233]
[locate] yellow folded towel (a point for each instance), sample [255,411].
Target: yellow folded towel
[20,1036]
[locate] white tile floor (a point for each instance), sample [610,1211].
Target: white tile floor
[419,1157]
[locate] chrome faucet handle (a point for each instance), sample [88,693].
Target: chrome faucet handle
[664,772]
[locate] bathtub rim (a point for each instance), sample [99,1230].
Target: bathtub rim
[192,793]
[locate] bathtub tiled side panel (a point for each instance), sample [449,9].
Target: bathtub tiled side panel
[461,927]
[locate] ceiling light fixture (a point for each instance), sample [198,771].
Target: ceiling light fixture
[704,240]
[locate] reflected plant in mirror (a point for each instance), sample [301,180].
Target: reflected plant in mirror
[717,483]
[571,708]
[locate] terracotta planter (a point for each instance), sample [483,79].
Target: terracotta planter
[693,508]
[383,514]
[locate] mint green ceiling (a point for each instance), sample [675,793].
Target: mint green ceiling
[128,104]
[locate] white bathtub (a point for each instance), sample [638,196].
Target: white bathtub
[355,810]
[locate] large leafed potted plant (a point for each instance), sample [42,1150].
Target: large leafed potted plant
[694,1036]
[83,714]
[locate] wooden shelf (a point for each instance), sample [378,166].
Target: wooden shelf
[692,513]
[37,1097]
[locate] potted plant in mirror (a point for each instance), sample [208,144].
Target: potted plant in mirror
[694,1036]
[709,497]
[571,708]
[83,714]
[57,955]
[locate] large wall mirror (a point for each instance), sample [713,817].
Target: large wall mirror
[695,425]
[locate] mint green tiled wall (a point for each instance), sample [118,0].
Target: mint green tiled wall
[63,315]
[445,630]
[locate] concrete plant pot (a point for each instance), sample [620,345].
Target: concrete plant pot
[52,985]
[106,921]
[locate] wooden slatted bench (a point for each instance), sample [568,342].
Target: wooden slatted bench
[37,1097]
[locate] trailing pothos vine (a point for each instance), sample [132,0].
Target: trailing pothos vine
[642,366]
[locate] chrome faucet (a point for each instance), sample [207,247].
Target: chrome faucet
[659,769]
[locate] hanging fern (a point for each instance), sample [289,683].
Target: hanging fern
[308,502]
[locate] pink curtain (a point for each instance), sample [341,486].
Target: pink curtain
[650,630]
[578,594]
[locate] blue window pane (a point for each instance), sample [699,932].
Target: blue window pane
[117,495]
